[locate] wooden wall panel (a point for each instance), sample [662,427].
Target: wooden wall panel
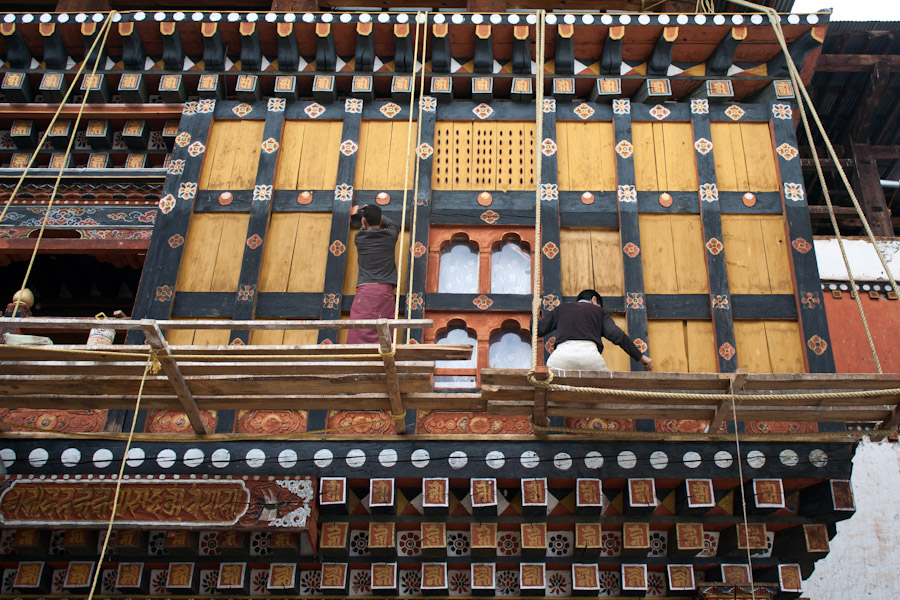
[308,157]
[744,157]
[673,255]
[591,258]
[484,156]
[756,254]
[382,156]
[679,346]
[615,357]
[769,346]
[232,155]
[586,156]
[664,157]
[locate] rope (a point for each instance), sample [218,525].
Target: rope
[53,120]
[538,133]
[415,217]
[115,504]
[105,33]
[737,443]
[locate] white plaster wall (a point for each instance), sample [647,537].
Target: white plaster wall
[862,257]
[864,561]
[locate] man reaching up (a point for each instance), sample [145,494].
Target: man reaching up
[374,299]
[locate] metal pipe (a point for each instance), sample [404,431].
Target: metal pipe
[890,183]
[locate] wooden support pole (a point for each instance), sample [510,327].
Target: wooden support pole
[155,338]
[870,192]
[390,370]
[738,379]
[539,415]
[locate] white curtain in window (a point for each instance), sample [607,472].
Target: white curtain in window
[459,270]
[510,351]
[457,336]
[510,270]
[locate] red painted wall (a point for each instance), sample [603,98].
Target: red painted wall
[848,337]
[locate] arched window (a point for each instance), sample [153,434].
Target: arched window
[511,266]
[458,273]
[509,348]
[457,334]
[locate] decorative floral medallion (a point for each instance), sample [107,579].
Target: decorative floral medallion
[809,300]
[343,193]
[353,105]
[337,247]
[490,217]
[246,292]
[508,544]
[415,301]
[166,204]
[196,149]
[624,149]
[634,300]
[787,152]
[254,241]
[331,301]
[187,190]
[208,105]
[276,104]
[550,344]
[390,110]
[720,301]
[269,145]
[176,241]
[483,111]
[482,302]
[583,110]
[548,105]
[424,151]
[627,193]
[182,139]
[549,192]
[349,147]
[660,112]
[549,302]
[611,543]
[621,106]
[164,293]
[700,106]
[428,103]
[175,166]
[794,192]
[817,345]
[409,543]
[782,111]
[734,112]
[709,192]
[189,108]
[726,351]
[314,110]
[631,249]
[550,250]
[262,193]
[548,147]
[714,246]
[703,146]
[419,250]
[242,110]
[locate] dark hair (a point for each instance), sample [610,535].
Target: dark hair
[589,294]
[372,214]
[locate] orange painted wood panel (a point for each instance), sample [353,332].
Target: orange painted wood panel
[848,337]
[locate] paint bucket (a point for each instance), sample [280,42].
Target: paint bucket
[101,336]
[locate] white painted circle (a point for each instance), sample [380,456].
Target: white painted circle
[812,19]
[495,459]
[327,18]
[232,17]
[477,19]
[719,20]
[438,18]
[562,461]
[496,19]
[197,16]
[530,459]
[530,19]
[166,458]
[271,17]
[402,18]
[663,19]
[789,458]
[627,459]
[193,458]
[291,17]
[513,19]
[756,19]
[135,457]
[38,457]
[215,17]
[793,19]
[355,458]
[691,460]
[818,458]
[255,458]
[45,18]
[420,458]
[737,19]
[308,17]
[221,458]
[624,19]
[457,459]
[593,460]
[287,458]
[383,17]
[659,460]
[387,457]
[64,18]
[570,19]
[8,456]
[30,18]
[70,457]
[682,19]
[179,16]
[587,19]
[102,458]
[756,459]
[723,459]
[700,19]
[322,458]
[550,19]
[644,19]
[420,18]
[160,16]
[606,19]
[79,18]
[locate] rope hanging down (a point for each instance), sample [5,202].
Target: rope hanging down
[538,136]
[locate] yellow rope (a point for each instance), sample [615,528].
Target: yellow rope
[104,30]
[53,120]
[415,217]
[538,138]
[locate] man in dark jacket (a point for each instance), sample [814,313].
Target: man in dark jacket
[580,328]
[374,299]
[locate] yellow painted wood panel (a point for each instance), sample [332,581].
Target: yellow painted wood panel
[576,260]
[310,253]
[644,157]
[756,255]
[403,153]
[659,145]
[563,156]
[591,259]
[321,152]
[606,256]
[180,337]
[443,173]
[485,149]
[777,254]
[701,347]
[723,155]
[289,153]
[212,337]
[689,253]
[760,156]
[752,346]
[484,156]
[217,133]
[658,254]
[463,156]
[616,358]
[377,152]
[220,155]
[302,337]
[246,158]
[668,345]
[198,260]
[230,253]
[785,346]
[587,156]
[680,156]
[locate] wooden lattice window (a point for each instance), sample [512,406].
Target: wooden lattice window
[496,156]
[488,245]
